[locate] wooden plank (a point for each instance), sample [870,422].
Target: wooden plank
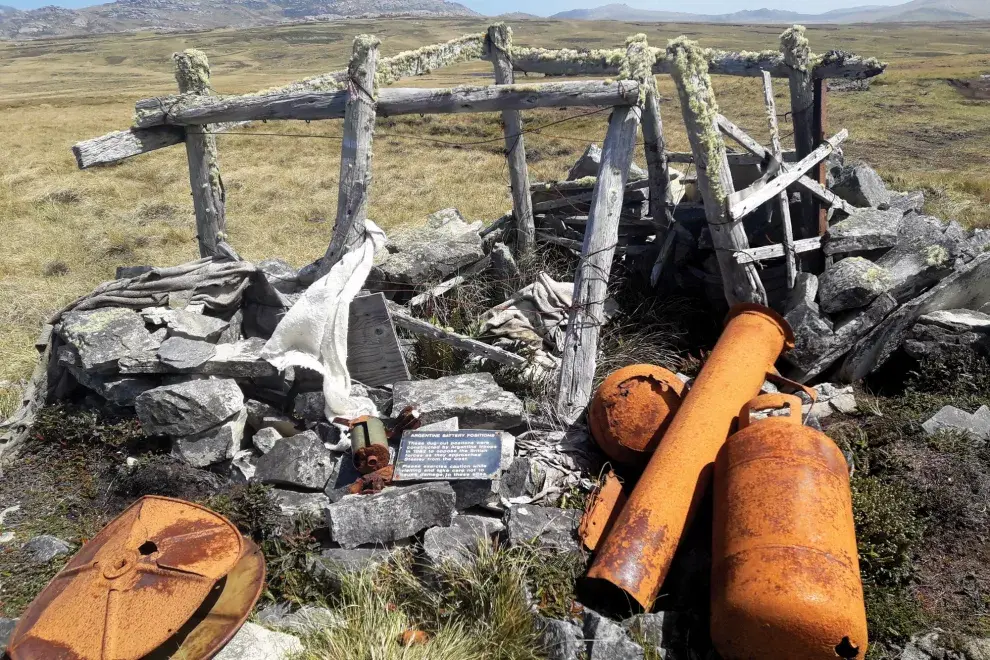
[406,321]
[355,155]
[192,73]
[580,354]
[761,193]
[477,267]
[373,354]
[809,184]
[115,147]
[790,260]
[499,47]
[821,129]
[741,282]
[187,111]
[753,255]
[683,158]
[574,199]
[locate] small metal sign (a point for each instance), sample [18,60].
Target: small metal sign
[448,455]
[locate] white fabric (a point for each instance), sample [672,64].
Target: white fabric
[313,334]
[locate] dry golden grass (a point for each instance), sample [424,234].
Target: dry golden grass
[64,230]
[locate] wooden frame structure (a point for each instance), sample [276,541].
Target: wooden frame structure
[360,93]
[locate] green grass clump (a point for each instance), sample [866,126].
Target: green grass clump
[252,507]
[887,528]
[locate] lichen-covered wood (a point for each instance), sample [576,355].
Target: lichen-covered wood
[192,73]
[741,282]
[355,156]
[115,147]
[587,315]
[190,110]
[784,204]
[797,55]
[499,48]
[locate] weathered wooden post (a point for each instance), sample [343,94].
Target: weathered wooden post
[790,260]
[821,134]
[797,55]
[694,87]
[498,47]
[192,73]
[587,315]
[355,153]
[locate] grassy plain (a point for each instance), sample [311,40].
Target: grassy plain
[64,231]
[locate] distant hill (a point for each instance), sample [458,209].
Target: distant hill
[519,16]
[914,11]
[126,15]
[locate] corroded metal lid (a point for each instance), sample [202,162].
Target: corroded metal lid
[132,587]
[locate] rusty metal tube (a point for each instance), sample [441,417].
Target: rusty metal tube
[636,555]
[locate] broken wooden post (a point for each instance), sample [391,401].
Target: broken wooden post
[741,282]
[587,314]
[499,50]
[790,258]
[820,132]
[797,55]
[192,73]
[355,154]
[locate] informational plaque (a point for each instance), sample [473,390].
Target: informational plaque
[448,455]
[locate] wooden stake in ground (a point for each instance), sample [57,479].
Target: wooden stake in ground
[797,55]
[499,49]
[694,87]
[587,315]
[192,73]
[355,155]
[790,259]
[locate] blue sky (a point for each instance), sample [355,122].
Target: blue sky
[547,7]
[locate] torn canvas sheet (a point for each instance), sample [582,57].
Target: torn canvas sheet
[313,334]
[534,314]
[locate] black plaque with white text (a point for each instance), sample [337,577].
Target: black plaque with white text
[448,455]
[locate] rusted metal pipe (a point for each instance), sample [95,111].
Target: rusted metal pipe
[785,569]
[636,556]
[601,511]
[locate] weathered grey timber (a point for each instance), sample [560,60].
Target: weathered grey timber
[682,157]
[806,182]
[797,56]
[763,194]
[459,279]
[355,155]
[580,351]
[192,73]
[188,110]
[499,47]
[580,198]
[752,255]
[117,146]
[790,260]
[404,320]
[741,282]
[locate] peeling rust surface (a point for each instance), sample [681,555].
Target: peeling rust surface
[637,554]
[785,569]
[132,586]
[601,512]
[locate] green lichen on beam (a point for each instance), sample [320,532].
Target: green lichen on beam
[587,182]
[637,65]
[423,60]
[796,48]
[575,60]
[192,71]
[694,86]
[357,68]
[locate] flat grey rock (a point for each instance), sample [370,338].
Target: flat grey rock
[908,201]
[262,415]
[474,492]
[452,424]
[242,466]
[958,320]
[336,561]
[253,642]
[294,503]
[280,275]
[852,283]
[393,514]
[813,335]
[475,399]
[186,324]
[6,630]
[431,253]
[240,359]
[589,162]
[212,446]
[865,229]
[42,549]
[607,640]
[458,543]
[560,640]
[861,186]
[655,630]
[804,293]
[951,418]
[101,337]
[309,407]
[264,439]
[307,619]
[301,461]
[545,527]
[125,390]
[188,408]
[180,354]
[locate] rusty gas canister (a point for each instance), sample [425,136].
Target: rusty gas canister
[631,411]
[785,569]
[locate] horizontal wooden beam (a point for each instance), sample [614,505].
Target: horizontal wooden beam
[760,193]
[188,110]
[684,158]
[774,251]
[116,146]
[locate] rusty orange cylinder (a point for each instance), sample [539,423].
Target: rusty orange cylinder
[631,411]
[636,555]
[785,569]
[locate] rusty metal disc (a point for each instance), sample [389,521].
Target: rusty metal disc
[131,587]
[222,613]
